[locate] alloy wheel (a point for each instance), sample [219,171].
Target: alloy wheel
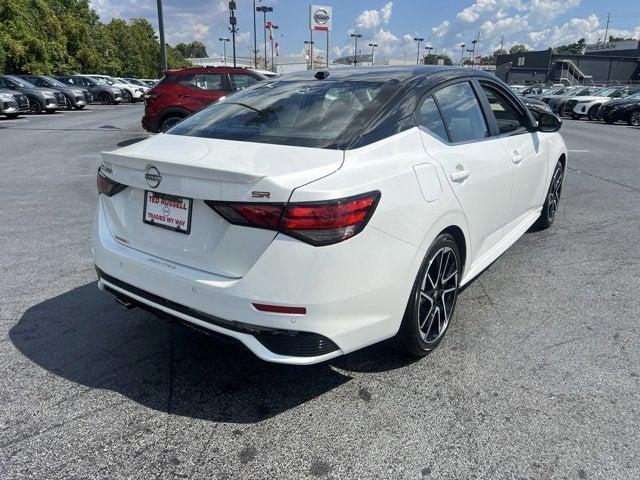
[634,120]
[437,295]
[105,99]
[555,191]
[35,107]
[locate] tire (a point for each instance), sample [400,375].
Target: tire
[574,116]
[35,107]
[67,104]
[50,111]
[609,121]
[550,207]
[169,122]
[126,97]
[634,119]
[433,298]
[105,99]
[11,115]
[593,111]
[80,107]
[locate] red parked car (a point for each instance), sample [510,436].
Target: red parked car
[183,92]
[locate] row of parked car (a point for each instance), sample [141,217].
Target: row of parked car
[25,93]
[610,104]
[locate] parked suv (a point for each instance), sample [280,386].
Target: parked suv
[183,92]
[40,99]
[75,97]
[13,103]
[104,94]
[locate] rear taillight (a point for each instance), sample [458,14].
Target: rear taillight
[107,186]
[316,223]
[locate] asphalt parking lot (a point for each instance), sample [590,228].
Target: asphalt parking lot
[538,376]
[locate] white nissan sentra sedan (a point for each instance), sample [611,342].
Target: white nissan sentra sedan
[320,212]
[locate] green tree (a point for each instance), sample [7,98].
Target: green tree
[572,48]
[432,59]
[194,49]
[66,36]
[518,48]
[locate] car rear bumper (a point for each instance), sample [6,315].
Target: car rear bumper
[350,303]
[149,123]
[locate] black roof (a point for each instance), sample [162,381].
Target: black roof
[389,74]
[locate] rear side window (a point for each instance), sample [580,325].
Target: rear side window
[205,81]
[462,113]
[429,117]
[509,120]
[240,81]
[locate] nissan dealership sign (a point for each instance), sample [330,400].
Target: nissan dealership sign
[320,18]
[611,46]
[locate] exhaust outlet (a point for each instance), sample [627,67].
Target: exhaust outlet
[125,302]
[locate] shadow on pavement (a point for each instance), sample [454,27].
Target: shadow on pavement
[85,337]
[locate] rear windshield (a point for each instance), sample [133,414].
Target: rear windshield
[313,113]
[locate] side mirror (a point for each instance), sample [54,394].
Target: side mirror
[548,122]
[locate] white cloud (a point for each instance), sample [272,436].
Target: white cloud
[369,19]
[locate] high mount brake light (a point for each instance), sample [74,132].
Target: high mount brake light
[107,186]
[316,223]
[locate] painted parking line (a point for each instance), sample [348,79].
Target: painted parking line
[579,151]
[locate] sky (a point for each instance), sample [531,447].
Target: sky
[392,24]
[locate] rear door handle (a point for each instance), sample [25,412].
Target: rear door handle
[460,176]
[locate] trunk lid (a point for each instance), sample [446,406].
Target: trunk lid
[206,169]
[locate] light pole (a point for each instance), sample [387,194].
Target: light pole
[473,60]
[462,53]
[310,43]
[224,41]
[373,51]
[355,50]
[471,52]
[273,27]
[428,49]
[233,22]
[255,40]
[163,49]
[264,9]
[418,39]
[405,57]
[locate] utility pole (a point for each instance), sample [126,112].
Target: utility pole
[470,50]
[355,51]
[255,39]
[264,9]
[418,39]
[163,48]
[606,30]
[224,41]
[233,22]
[373,51]
[462,53]
[502,43]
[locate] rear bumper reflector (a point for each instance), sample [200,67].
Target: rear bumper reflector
[292,343]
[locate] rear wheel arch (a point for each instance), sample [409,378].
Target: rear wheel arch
[458,235]
[172,112]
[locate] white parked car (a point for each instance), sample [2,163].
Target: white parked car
[587,106]
[131,93]
[313,215]
[137,83]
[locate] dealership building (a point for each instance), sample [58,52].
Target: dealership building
[613,62]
